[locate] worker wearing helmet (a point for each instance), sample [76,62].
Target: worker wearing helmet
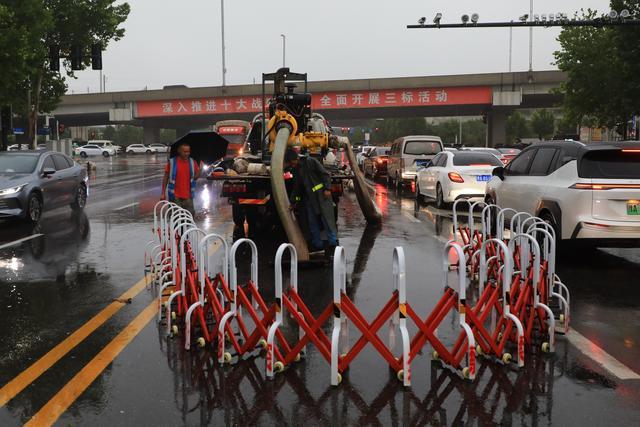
[313,190]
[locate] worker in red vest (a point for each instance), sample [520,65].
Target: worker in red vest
[180,175]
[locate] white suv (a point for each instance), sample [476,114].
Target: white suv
[140,149]
[589,193]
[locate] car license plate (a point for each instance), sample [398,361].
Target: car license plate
[633,208]
[483,178]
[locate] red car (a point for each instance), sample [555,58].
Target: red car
[375,162]
[508,154]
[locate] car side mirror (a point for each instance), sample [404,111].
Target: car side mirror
[47,172]
[499,172]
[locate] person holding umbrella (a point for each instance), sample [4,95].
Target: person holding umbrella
[180,175]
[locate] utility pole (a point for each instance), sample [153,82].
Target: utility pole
[100,82]
[224,67]
[531,37]
[284,44]
[510,46]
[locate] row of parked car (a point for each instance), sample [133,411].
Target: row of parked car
[107,148]
[588,192]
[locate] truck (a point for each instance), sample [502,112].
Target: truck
[256,184]
[235,132]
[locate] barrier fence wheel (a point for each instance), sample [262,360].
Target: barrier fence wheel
[173,315]
[506,358]
[435,355]
[561,319]
[174,330]
[278,366]
[227,357]
[545,347]
[400,375]
[465,372]
[262,343]
[297,358]
[339,378]
[201,342]
[479,351]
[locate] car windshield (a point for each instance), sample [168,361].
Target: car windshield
[613,164]
[475,159]
[381,151]
[511,151]
[234,139]
[420,148]
[17,164]
[488,150]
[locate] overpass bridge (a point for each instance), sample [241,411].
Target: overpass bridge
[183,108]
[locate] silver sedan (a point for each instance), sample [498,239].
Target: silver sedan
[35,181]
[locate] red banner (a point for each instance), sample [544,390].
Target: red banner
[420,97]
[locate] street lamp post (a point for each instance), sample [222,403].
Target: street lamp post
[224,67]
[284,44]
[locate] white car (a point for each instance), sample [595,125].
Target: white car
[588,193]
[450,176]
[94,150]
[105,143]
[160,148]
[362,154]
[139,149]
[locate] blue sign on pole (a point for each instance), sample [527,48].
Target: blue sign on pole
[43,131]
[18,131]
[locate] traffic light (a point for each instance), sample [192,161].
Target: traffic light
[76,57]
[96,56]
[6,119]
[54,57]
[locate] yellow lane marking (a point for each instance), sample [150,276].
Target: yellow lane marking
[55,407]
[19,383]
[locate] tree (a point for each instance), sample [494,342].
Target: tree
[517,127]
[167,136]
[603,74]
[109,133]
[39,24]
[390,129]
[543,123]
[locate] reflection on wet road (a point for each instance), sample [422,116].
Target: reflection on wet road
[68,269]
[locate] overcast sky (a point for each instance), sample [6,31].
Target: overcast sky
[179,41]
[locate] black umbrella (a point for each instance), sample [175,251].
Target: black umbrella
[206,146]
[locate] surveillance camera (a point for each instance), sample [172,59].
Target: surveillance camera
[524,17]
[624,14]
[474,18]
[613,14]
[543,17]
[465,18]
[422,20]
[552,17]
[536,17]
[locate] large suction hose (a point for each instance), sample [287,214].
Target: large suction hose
[370,210]
[280,197]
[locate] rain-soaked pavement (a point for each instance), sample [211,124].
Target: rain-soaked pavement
[76,267]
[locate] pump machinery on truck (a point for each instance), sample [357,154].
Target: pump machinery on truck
[255,182]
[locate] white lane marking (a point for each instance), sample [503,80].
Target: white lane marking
[130,205]
[601,357]
[24,239]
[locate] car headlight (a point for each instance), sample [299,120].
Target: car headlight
[13,190]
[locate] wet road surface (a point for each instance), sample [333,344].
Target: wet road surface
[76,268]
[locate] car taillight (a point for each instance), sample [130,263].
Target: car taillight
[455,177]
[600,186]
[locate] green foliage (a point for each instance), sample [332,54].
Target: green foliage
[603,70]
[517,127]
[167,136]
[29,27]
[390,129]
[473,131]
[543,123]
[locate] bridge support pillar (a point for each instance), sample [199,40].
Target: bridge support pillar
[150,135]
[182,132]
[497,127]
